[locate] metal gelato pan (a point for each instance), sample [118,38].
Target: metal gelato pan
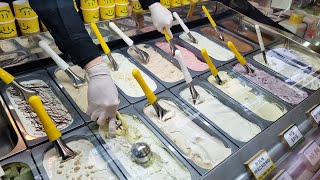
[10,138]
[248,115]
[23,159]
[41,75]
[165,145]
[192,116]
[83,133]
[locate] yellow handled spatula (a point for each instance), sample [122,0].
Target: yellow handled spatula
[104,46]
[9,79]
[121,125]
[53,133]
[212,68]
[169,39]
[152,98]
[240,58]
[191,8]
[213,23]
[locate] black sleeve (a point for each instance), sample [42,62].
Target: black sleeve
[146,3]
[67,28]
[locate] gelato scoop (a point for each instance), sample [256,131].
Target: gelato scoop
[161,165]
[215,50]
[244,94]
[51,102]
[88,164]
[227,119]
[288,93]
[199,146]
[17,171]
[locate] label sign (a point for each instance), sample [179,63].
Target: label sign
[312,153]
[315,113]
[1,172]
[261,165]
[283,175]
[293,136]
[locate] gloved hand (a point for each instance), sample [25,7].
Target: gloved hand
[161,17]
[102,96]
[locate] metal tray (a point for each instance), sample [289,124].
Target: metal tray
[53,69]
[248,115]
[196,119]
[255,90]
[197,52]
[131,111]
[42,75]
[25,158]
[82,133]
[276,75]
[174,62]
[180,43]
[254,46]
[10,138]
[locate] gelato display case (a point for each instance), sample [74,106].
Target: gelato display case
[259,124]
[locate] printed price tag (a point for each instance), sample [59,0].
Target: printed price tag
[312,153]
[315,113]
[260,165]
[1,172]
[293,136]
[282,175]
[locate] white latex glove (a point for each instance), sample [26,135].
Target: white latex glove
[102,96]
[161,17]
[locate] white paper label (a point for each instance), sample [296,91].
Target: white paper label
[293,135]
[316,114]
[313,153]
[284,176]
[262,165]
[1,172]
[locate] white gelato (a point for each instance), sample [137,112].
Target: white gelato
[162,164]
[227,119]
[88,164]
[203,149]
[215,50]
[29,119]
[242,93]
[293,73]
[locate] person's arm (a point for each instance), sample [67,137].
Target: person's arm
[67,28]
[146,3]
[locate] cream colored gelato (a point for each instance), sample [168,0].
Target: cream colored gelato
[162,164]
[243,94]
[29,119]
[214,50]
[203,149]
[227,119]
[158,65]
[88,164]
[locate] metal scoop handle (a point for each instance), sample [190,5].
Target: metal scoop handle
[240,58]
[213,23]
[212,67]
[57,59]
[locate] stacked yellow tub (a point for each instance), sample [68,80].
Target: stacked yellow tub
[7,22]
[90,10]
[107,9]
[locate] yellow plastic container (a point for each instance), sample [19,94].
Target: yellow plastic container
[8,29]
[122,10]
[121,1]
[29,25]
[136,6]
[6,14]
[22,9]
[297,17]
[165,3]
[107,12]
[89,4]
[185,2]
[90,15]
[175,3]
[106,3]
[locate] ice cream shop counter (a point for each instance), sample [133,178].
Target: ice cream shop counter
[237,100]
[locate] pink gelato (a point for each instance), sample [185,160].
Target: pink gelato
[190,59]
[288,93]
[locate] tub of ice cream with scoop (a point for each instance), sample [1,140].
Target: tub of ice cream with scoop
[165,161]
[20,166]
[10,138]
[202,145]
[223,113]
[57,105]
[91,162]
[247,95]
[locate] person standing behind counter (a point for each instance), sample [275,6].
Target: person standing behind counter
[72,39]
